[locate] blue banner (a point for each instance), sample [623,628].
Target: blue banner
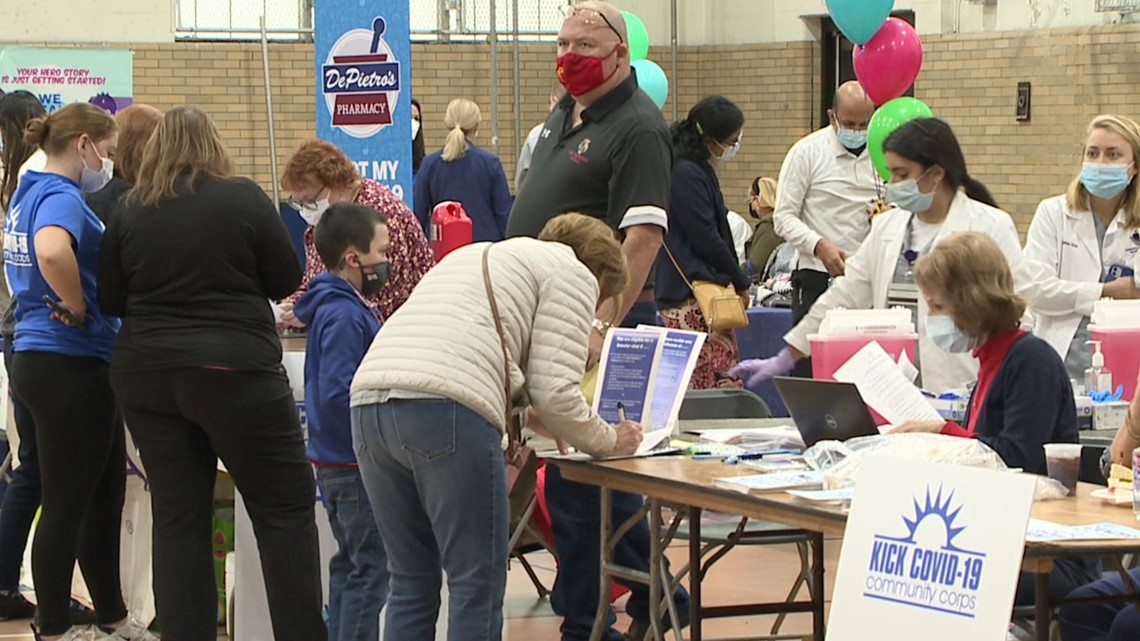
[364,87]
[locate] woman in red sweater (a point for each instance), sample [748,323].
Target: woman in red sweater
[1023,398]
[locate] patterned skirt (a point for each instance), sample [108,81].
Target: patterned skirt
[719,354]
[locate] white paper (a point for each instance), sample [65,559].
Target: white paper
[773,481]
[278,312]
[650,440]
[907,367]
[825,496]
[884,387]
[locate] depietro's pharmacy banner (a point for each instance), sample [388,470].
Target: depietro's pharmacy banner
[364,87]
[59,76]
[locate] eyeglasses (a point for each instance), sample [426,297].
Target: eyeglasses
[591,17]
[307,204]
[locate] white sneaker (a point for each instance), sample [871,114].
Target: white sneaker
[78,633]
[132,630]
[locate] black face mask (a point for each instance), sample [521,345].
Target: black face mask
[374,278]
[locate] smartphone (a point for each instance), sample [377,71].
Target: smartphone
[63,311]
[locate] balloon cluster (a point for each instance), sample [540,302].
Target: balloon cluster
[887,59]
[650,76]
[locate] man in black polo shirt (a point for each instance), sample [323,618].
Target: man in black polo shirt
[605,151]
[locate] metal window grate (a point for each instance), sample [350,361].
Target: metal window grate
[1119,6]
[241,19]
[471,19]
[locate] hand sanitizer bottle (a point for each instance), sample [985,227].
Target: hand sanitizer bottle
[1097,377]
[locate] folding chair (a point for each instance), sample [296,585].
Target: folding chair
[525,537]
[720,538]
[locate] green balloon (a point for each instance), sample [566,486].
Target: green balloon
[638,36]
[887,118]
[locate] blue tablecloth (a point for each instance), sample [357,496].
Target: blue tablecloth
[764,337]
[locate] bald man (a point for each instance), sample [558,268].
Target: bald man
[604,151]
[825,186]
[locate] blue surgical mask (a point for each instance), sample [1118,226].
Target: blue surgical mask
[947,336]
[1105,180]
[852,139]
[906,195]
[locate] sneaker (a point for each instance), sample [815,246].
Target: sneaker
[132,630]
[76,633]
[13,605]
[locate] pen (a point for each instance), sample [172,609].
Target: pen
[621,412]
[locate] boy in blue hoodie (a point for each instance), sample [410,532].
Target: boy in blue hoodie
[352,241]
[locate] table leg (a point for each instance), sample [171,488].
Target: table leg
[655,576]
[695,632]
[1042,606]
[602,618]
[817,619]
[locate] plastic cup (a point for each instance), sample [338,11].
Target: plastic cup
[1063,461]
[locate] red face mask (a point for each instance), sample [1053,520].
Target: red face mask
[582,74]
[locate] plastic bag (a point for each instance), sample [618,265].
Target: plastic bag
[839,461]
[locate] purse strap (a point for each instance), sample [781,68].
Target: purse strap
[680,271]
[514,431]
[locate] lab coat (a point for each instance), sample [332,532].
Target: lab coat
[1061,250]
[870,272]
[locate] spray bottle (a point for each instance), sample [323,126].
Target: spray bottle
[1097,377]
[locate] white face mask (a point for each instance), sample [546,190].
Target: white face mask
[313,215]
[415,128]
[91,180]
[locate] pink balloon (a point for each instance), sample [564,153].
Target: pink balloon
[889,62]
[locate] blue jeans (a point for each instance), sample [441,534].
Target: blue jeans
[1102,621]
[575,513]
[434,473]
[22,498]
[358,572]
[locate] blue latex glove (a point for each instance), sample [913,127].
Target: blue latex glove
[757,370]
[1099,397]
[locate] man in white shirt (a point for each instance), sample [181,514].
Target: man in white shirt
[523,165]
[826,183]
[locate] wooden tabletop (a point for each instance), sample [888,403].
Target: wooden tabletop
[682,480]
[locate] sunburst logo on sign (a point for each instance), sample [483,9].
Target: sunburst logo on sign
[361,81]
[925,568]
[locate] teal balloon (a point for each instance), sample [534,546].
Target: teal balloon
[637,35]
[652,81]
[887,118]
[859,20]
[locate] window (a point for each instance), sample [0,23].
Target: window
[470,20]
[241,19]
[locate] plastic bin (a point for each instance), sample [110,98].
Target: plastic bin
[829,353]
[1121,349]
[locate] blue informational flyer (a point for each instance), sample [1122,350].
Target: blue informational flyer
[646,371]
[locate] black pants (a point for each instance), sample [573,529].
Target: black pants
[83,476]
[182,421]
[807,286]
[22,499]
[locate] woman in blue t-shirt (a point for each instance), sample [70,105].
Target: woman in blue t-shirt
[60,368]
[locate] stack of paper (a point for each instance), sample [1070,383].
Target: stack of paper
[772,482]
[755,437]
[1040,531]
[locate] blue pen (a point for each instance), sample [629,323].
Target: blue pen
[706,456]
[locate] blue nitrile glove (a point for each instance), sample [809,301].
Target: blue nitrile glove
[1099,397]
[757,370]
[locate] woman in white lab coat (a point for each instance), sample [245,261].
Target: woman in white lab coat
[1082,245]
[935,197]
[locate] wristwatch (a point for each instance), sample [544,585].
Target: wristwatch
[602,326]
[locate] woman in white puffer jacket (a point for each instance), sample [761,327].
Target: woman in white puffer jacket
[429,406]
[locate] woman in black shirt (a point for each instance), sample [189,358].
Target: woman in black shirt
[190,262]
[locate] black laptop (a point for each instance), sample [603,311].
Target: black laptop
[825,410]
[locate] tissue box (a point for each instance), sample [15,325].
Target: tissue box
[1109,416]
[951,410]
[1084,412]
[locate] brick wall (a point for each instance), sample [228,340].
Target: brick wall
[968,79]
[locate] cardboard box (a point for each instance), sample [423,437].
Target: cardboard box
[1109,416]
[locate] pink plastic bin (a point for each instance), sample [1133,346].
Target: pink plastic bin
[1121,348]
[829,353]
